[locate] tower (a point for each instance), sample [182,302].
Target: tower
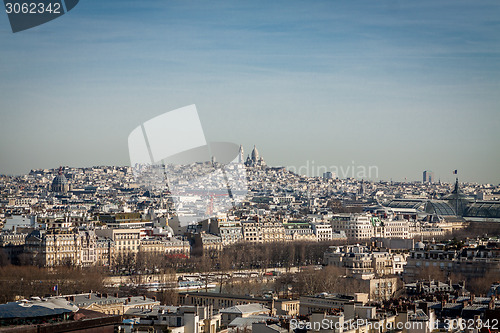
[427,176]
[240,155]
[361,190]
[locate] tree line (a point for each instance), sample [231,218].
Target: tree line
[17,282]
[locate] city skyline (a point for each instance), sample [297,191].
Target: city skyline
[350,172]
[405,87]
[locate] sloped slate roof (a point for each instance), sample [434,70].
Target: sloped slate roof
[32,309]
[246,308]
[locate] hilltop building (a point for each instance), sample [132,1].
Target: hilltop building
[254,160]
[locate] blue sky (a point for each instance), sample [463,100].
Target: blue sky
[404,86]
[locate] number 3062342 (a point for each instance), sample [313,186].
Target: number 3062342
[33,8]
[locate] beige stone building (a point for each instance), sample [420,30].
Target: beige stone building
[355,226]
[105,251]
[272,231]
[299,231]
[360,262]
[126,240]
[207,244]
[219,301]
[164,246]
[61,247]
[265,231]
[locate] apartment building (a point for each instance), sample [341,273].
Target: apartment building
[126,240]
[356,259]
[251,231]
[229,231]
[176,319]
[61,247]
[272,231]
[265,231]
[323,231]
[360,261]
[164,246]
[105,251]
[299,231]
[207,244]
[358,226]
[474,260]
[396,229]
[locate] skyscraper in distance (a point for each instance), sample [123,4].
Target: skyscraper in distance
[428,176]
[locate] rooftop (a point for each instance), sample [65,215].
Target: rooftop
[36,308]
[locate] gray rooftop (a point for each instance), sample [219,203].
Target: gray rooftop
[36,308]
[245,309]
[87,299]
[248,321]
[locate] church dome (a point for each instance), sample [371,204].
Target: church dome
[60,183]
[255,154]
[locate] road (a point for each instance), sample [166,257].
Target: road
[149,278]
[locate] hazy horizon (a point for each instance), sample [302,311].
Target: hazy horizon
[403,86]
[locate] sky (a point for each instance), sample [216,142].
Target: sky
[403,86]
